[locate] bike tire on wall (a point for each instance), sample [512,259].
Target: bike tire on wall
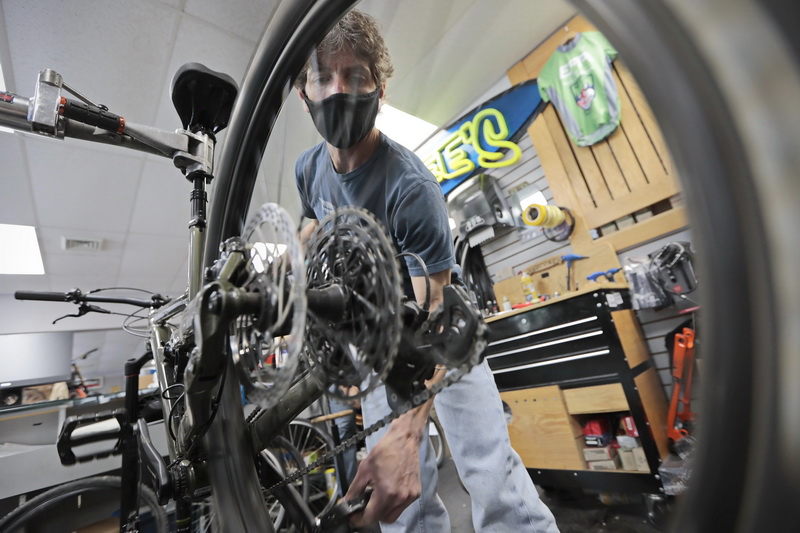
[719,76]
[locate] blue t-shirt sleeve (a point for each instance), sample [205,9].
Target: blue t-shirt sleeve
[421,226]
[301,181]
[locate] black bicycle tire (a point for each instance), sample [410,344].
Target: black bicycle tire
[286,43]
[324,436]
[44,501]
[684,57]
[283,442]
[295,504]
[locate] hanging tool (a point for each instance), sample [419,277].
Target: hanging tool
[608,274]
[680,404]
[569,258]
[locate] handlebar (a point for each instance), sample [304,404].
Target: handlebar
[76,296]
[42,296]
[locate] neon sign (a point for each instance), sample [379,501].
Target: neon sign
[485,137]
[488,126]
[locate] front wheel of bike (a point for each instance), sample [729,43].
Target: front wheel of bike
[78,504]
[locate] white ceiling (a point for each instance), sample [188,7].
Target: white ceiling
[447,55]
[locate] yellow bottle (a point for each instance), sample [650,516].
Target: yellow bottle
[528,289]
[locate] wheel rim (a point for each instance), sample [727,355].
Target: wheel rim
[312,442]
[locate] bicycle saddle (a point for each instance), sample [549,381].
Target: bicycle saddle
[203,98]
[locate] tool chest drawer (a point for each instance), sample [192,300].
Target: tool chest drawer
[566,340]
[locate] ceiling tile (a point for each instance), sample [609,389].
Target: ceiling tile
[242,18]
[16,200]
[78,264]
[12,283]
[109,51]
[92,278]
[162,201]
[155,258]
[80,188]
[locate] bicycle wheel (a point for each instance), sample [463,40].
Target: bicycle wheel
[287,505]
[287,42]
[79,504]
[717,75]
[726,68]
[312,442]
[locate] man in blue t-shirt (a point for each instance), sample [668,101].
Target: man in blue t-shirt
[342,87]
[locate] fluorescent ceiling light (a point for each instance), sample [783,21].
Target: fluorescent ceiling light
[408,130]
[20,250]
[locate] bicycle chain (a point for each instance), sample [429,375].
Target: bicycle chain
[473,360]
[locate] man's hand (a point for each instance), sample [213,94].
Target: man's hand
[392,470]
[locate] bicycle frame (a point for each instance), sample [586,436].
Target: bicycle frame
[204,314]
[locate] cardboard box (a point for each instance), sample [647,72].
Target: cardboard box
[608,464]
[641,460]
[627,460]
[599,454]
[626,441]
[147,381]
[629,426]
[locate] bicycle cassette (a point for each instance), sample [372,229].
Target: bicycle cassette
[354,319]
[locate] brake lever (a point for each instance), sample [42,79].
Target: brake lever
[336,520]
[84,309]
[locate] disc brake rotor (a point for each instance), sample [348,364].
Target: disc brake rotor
[266,346]
[350,249]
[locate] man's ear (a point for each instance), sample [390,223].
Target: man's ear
[381,95]
[303,100]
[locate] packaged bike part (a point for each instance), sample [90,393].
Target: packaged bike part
[646,292]
[672,268]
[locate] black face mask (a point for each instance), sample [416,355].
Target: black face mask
[344,119]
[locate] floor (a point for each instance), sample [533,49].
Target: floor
[574,514]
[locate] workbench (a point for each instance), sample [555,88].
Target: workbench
[559,361]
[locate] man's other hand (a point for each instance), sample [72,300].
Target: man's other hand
[392,470]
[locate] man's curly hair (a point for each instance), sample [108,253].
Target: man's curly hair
[360,34]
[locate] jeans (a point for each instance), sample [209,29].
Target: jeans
[503,496]
[346,427]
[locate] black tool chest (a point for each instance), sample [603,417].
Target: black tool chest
[566,350]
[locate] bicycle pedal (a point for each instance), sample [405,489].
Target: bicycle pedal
[77,431]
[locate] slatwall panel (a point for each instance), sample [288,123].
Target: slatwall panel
[519,247]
